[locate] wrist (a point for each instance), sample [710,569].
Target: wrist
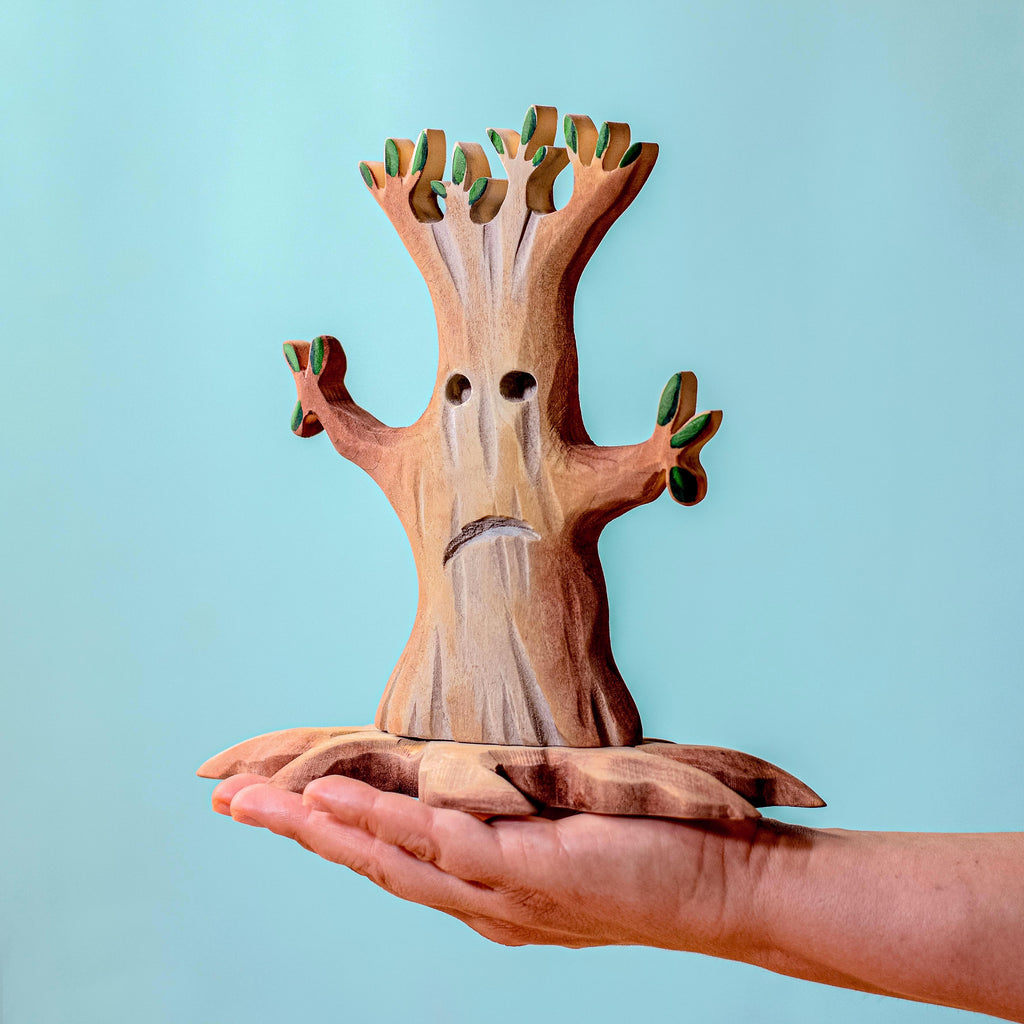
[718,914]
[760,866]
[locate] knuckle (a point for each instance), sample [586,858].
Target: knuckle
[420,847]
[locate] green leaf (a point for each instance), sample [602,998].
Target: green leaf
[391,158]
[364,170]
[478,188]
[293,358]
[683,485]
[538,157]
[297,416]
[316,354]
[603,138]
[439,189]
[631,154]
[529,125]
[419,158]
[572,138]
[690,431]
[458,166]
[496,141]
[669,399]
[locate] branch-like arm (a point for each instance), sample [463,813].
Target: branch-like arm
[401,184]
[324,403]
[612,480]
[608,173]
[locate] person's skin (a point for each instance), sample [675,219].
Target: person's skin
[936,918]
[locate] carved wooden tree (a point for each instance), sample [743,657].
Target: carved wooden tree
[503,497]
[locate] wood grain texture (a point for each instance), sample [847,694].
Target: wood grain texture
[266,754]
[389,763]
[657,778]
[507,699]
[501,491]
[761,782]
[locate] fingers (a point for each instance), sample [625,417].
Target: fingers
[224,793]
[456,843]
[431,856]
[388,866]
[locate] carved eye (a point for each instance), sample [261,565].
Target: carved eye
[517,385]
[458,389]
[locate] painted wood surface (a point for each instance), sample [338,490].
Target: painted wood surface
[501,491]
[654,778]
[507,699]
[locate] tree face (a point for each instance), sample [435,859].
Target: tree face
[493,450]
[497,441]
[501,492]
[503,497]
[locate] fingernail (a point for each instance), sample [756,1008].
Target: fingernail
[297,416]
[458,166]
[529,125]
[496,141]
[631,154]
[538,157]
[669,399]
[690,430]
[293,358]
[439,189]
[364,170]
[603,138]
[316,354]
[419,158]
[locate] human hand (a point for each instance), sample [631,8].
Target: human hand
[580,880]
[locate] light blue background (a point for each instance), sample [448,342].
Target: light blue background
[832,240]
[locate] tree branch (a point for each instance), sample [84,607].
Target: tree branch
[324,403]
[401,184]
[608,174]
[609,481]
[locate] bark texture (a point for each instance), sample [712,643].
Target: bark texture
[500,490]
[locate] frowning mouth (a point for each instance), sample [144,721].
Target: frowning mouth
[488,526]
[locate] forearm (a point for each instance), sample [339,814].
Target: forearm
[935,918]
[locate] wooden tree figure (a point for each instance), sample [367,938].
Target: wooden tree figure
[507,699]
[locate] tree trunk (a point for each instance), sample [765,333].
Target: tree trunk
[501,491]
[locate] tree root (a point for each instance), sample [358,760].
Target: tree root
[654,779]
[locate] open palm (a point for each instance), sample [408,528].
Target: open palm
[580,880]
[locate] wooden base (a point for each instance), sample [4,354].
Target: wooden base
[654,779]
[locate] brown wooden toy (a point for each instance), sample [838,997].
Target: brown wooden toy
[507,698]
